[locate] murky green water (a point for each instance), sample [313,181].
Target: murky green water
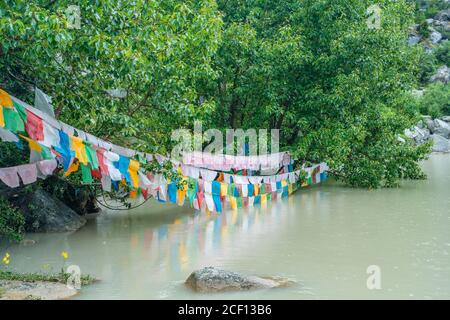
[324,238]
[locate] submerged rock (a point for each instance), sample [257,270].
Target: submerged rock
[210,279]
[20,290]
[440,144]
[441,128]
[45,213]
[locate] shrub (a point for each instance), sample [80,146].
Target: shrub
[436,100]
[12,222]
[442,53]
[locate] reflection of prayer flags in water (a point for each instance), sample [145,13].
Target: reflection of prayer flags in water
[285,191]
[217,203]
[233,203]
[162,232]
[172,192]
[263,198]
[239,202]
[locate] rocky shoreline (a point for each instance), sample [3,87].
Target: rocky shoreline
[436,131]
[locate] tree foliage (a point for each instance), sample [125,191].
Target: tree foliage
[335,88]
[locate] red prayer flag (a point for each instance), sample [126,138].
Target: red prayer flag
[34,126]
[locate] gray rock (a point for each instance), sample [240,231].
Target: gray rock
[443,15]
[441,128]
[210,279]
[20,290]
[430,21]
[446,118]
[430,124]
[45,213]
[442,75]
[440,144]
[413,39]
[419,135]
[435,37]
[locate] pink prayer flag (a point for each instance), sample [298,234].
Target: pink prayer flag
[9,177]
[28,173]
[47,167]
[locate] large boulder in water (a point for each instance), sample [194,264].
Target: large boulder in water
[45,213]
[441,128]
[440,144]
[210,279]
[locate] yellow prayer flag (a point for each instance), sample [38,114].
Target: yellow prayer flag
[73,168]
[5,99]
[32,144]
[80,150]
[263,198]
[2,119]
[283,183]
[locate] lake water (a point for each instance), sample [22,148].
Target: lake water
[324,238]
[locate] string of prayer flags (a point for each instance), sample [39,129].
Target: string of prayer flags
[207,186]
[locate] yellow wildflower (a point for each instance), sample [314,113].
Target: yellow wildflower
[5,259]
[65,255]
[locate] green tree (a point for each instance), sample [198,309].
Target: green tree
[336,88]
[154,50]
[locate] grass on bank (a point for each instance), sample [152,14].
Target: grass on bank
[61,277]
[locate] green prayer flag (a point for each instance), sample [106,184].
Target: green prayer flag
[92,157]
[13,122]
[86,175]
[142,159]
[20,110]
[262,189]
[269,197]
[46,153]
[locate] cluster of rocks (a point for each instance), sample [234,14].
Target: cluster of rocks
[435,130]
[440,21]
